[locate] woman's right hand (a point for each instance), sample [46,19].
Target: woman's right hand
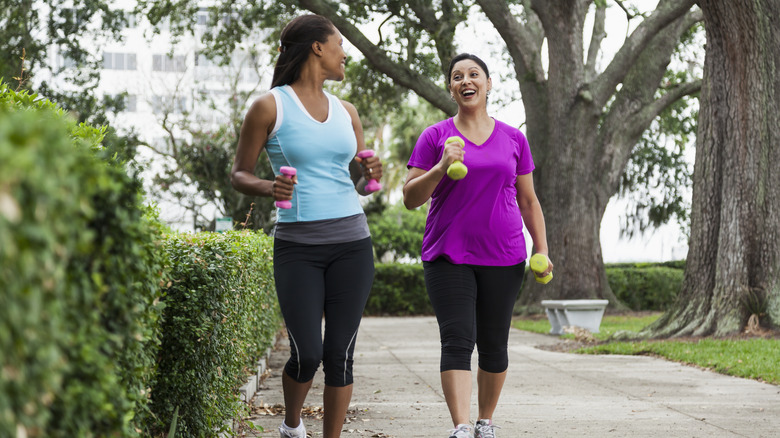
[283,187]
[452,152]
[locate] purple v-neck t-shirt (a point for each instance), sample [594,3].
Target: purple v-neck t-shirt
[476,220]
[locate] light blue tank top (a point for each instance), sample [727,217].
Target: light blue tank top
[321,152]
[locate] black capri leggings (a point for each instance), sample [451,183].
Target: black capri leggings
[473,305]
[312,281]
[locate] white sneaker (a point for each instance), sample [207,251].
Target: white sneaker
[462,431]
[485,429]
[286,432]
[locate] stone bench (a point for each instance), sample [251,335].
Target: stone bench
[580,313]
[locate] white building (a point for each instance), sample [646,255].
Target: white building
[171,86]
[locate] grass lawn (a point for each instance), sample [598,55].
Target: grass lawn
[752,358]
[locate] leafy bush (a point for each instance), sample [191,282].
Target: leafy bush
[399,289]
[83,266]
[398,232]
[221,314]
[79,279]
[651,287]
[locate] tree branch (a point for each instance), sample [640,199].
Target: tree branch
[647,114]
[442,30]
[628,13]
[666,12]
[635,105]
[156,150]
[596,38]
[524,45]
[420,84]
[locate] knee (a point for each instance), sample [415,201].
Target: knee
[456,356]
[302,367]
[337,365]
[496,361]
[338,371]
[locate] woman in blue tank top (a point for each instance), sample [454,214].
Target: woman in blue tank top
[323,257]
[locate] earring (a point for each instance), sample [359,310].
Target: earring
[452,97]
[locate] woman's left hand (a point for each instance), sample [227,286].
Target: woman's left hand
[372,167]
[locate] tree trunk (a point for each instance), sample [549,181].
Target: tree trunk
[734,252]
[580,152]
[573,199]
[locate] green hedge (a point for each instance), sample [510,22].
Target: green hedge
[86,273]
[79,279]
[645,287]
[399,289]
[221,315]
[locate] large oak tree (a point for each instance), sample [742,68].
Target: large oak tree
[733,267]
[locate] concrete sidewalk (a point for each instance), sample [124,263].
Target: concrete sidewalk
[547,394]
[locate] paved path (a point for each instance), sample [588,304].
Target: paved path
[397,393]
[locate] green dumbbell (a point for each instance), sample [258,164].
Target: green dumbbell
[457,169]
[538,265]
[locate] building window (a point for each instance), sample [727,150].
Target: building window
[119,61]
[66,61]
[203,17]
[131,103]
[169,63]
[130,20]
[169,104]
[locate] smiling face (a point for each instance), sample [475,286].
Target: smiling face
[333,56]
[469,84]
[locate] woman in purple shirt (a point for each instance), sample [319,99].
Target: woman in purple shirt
[473,249]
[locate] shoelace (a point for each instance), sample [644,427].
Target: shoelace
[486,430]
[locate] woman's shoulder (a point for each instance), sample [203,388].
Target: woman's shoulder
[263,110]
[505,127]
[266,100]
[510,131]
[439,128]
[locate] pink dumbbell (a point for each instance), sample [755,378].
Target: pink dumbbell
[288,172]
[373,185]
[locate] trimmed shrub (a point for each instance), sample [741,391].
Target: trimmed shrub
[221,315]
[399,289]
[398,232]
[651,287]
[79,279]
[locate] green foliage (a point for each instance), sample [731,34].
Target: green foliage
[80,269]
[68,27]
[221,314]
[408,122]
[674,264]
[398,232]
[399,289]
[61,24]
[645,286]
[82,263]
[658,176]
[199,168]
[755,302]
